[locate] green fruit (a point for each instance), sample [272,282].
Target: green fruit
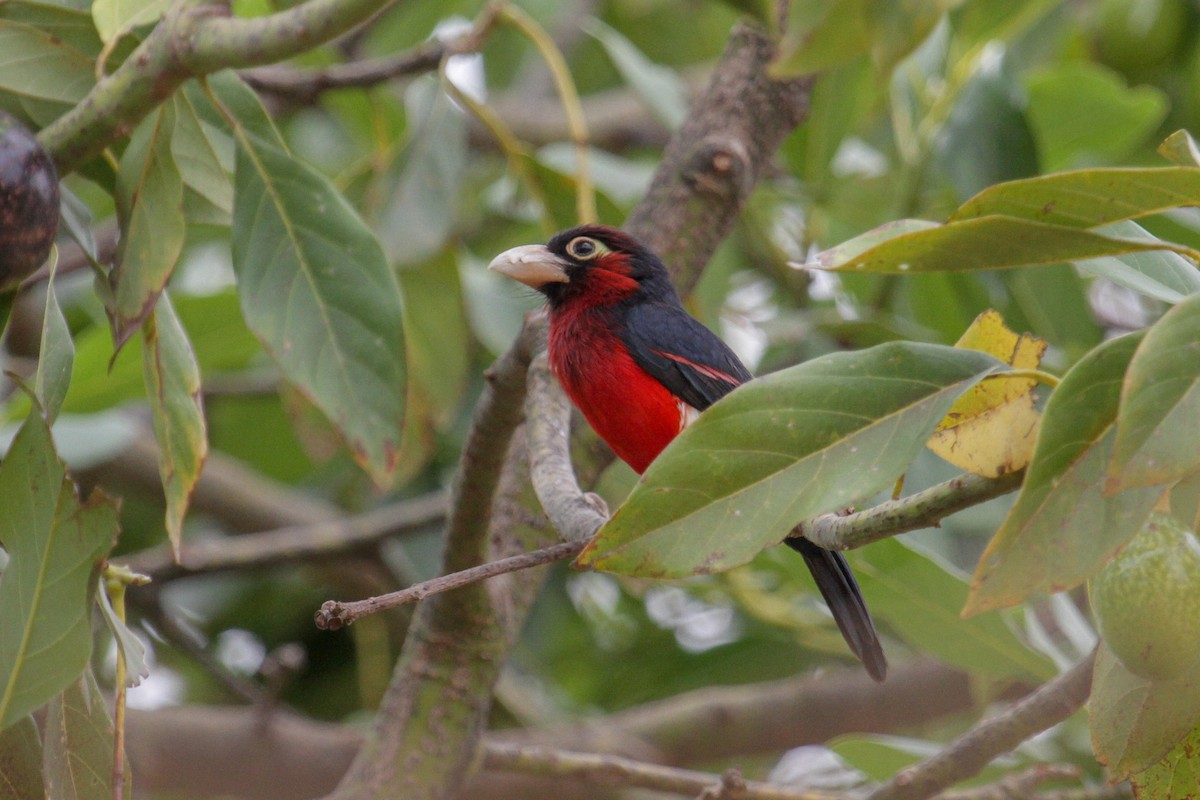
[1147,600]
[28,203]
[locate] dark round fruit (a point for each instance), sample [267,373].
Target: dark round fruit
[28,203]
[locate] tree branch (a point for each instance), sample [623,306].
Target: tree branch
[610,770]
[924,509]
[335,614]
[191,40]
[967,755]
[303,85]
[575,514]
[237,751]
[295,543]
[713,162]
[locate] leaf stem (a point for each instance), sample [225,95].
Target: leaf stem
[585,197]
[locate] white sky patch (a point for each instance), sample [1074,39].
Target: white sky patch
[697,625]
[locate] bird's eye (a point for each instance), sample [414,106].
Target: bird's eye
[583,248]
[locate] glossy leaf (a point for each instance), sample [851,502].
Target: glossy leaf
[150,208]
[661,90]
[1158,439]
[204,155]
[992,242]
[318,292]
[38,66]
[130,646]
[809,439]
[437,351]
[67,22]
[54,543]
[1136,722]
[114,18]
[920,597]
[56,353]
[1089,197]
[1160,274]
[79,736]
[1053,302]
[1064,102]
[1063,528]
[21,761]
[1181,148]
[176,405]
[422,205]
[1176,776]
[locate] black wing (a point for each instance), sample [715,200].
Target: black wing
[681,354]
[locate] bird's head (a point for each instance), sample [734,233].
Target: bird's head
[591,264]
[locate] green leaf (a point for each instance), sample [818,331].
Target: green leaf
[54,544]
[992,242]
[823,35]
[437,349]
[115,18]
[21,761]
[1063,528]
[56,355]
[920,597]
[318,292]
[987,139]
[204,155]
[1176,776]
[150,208]
[1136,722]
[1064,102]
[78,756]
[809,439]
[173,387]
[36,65]
[1159,274]
[882,756]
[74,26]
[1158,439]
[131,647]
[1180,148]
[661,90]
[1052,302]
[422,206]
[1089,197]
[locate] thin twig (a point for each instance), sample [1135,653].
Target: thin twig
[609,770]
[292,543]
[1018,785]
[923,509]
[967,755]
[303,86]
[335,614]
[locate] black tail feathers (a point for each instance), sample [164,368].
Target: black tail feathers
[845,601]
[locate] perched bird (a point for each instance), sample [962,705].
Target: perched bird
[640,369]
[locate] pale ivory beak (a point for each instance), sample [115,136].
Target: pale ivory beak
[532,265]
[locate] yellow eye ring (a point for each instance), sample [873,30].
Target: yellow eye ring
[585,248]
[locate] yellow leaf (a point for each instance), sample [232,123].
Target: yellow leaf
[991,430]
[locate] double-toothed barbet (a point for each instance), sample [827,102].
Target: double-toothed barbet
[640,369]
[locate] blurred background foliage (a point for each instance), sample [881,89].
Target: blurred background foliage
[989,92]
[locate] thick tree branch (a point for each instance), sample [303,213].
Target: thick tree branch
[713,162]
[191,40]
[237,751]
[967,755]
